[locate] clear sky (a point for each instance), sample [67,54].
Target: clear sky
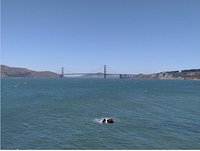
[129,36]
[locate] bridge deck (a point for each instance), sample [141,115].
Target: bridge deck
[90,74]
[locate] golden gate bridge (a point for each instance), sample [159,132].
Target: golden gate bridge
[104,74]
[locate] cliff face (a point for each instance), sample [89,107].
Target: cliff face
[7,72]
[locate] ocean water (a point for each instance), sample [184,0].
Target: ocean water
[63,114]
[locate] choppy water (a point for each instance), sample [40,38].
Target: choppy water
[63,114]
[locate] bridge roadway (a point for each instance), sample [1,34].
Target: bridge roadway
[121,76]
[104,74]
[91,74]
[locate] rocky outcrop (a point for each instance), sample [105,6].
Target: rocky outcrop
[7,72]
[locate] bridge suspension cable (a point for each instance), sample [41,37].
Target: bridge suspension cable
[104,72]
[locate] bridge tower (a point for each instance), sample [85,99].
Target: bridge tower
[62,72]
[104,75]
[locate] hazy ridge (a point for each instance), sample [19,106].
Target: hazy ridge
[7,72]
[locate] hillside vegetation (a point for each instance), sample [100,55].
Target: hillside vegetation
[7,72]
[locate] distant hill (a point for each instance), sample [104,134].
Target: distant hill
[192,74]
[7,72]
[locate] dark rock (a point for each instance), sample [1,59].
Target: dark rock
[110,120]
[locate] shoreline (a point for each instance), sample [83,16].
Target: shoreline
[16,72]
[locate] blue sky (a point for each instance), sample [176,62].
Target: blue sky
[129,36]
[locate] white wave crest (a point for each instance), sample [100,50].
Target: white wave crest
[99,120]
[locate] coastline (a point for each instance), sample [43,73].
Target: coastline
[18,72]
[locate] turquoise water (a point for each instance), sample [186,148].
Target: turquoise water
[62,114]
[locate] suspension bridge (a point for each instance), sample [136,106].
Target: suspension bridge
[103,73]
